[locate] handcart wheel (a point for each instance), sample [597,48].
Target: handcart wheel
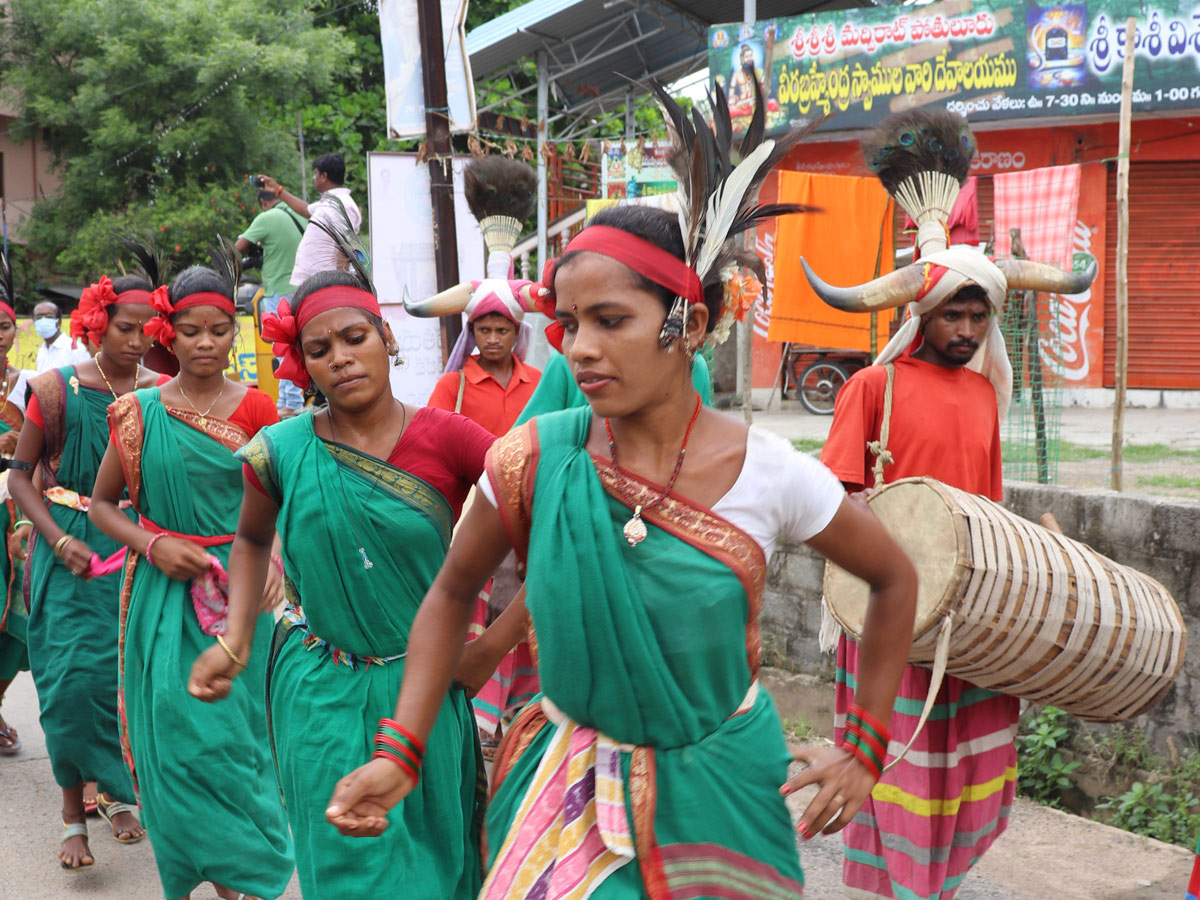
[818,386]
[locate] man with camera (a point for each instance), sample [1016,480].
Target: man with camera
[277,231]
[317,251]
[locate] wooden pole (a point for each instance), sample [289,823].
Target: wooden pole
[441,175]
[1122,360]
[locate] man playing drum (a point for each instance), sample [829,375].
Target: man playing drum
[930,406]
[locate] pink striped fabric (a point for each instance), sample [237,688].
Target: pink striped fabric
[1044,204]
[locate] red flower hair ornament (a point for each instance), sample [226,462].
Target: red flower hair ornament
[284,333]
[90,318]
[160,327]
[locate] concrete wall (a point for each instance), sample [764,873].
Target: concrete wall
[1156,535]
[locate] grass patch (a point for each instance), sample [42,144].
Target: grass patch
[808,445]
[800,731]
[1169,481]
[1068,451]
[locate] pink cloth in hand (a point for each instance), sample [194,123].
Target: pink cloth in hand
[210,597]
[98,567]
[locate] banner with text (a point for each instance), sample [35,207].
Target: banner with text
[987,60]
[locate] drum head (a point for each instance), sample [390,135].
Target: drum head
[920,515]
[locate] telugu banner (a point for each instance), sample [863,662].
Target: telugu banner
[986,60]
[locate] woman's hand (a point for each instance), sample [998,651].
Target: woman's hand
[362,800]
[76,556]
[178,558]
[8,442]
[844,783]
[213,672]
[18,541]
[273,590]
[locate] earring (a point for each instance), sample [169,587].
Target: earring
[672,329]
[397,361]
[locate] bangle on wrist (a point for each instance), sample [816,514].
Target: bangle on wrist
[61,543]
[866,739]
[397,744]
[228,652]
[278,564]
[278,190]
[150,545]
[21,522]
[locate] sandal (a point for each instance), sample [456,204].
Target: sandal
[75,829]
[12,741]
[108,809]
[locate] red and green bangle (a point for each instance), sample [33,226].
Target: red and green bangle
[396,743]
[866,739]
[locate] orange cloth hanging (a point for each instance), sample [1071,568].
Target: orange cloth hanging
[842,245]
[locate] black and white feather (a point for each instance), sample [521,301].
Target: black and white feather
[719,179]
[151,264]
[349,244]
[8,291]
[227,263]
[498,186]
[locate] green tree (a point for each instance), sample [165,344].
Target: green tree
[154,112]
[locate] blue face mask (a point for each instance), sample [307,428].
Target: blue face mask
[46,327]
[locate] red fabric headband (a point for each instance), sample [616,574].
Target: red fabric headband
[160,327]
[645,258]
[90,319]
[8,311]
[283,328]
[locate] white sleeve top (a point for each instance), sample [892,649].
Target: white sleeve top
[781,494]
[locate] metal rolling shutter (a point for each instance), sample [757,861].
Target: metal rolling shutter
[1164,290]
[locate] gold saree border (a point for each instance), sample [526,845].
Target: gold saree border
[511,467]
[232,437]
[707,532]
[51,392]
[128,430]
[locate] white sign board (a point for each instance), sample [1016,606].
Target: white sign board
[402,253]
[402,70]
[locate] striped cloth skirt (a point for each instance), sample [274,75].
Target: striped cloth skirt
[932,817]
[510,688]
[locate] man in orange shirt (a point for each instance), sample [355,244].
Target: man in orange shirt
[492,387]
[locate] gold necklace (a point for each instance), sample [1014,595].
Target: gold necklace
[137,376]
[203,415]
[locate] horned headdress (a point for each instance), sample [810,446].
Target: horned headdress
[922,158]
[501,194]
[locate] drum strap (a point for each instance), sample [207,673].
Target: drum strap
[883,456]
[940,658]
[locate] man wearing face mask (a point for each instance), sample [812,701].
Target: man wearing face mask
[56,350]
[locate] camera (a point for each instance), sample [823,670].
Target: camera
[256,181]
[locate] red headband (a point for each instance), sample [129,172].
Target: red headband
[160,327]
[90,319]
[645,258]
[283,328]
[8,311]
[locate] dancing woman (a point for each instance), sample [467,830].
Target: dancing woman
[364,494]
[646,523]
[13,656]
[204,774]
[72,616]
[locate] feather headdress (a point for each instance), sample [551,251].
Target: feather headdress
[227,263]
[350,245]
[501,194]
[8,292]
[149,260]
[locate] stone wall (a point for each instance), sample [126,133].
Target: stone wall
[1156,535]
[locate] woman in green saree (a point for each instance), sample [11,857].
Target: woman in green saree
[653,765]
[14,657]
[204,773]
[364,494]
[72,616]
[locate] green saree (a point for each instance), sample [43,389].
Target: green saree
[14,657]
[655,772]
[557,389]
[203,770]
[73,623]
[337,664]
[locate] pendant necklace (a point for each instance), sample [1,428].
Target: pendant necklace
[362,551]
[635,529]
[137,376]
[203,415]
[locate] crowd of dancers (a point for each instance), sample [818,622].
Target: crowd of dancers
[255,632]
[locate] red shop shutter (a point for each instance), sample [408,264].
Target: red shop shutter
[1164,292]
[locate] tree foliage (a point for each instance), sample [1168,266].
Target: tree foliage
[154,113]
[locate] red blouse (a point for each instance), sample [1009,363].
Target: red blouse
[441,448]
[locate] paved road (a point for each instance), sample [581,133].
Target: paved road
[1046,855]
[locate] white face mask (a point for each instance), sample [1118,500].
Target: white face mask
[46,327]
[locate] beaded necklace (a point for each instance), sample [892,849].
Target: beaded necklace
[635,529]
